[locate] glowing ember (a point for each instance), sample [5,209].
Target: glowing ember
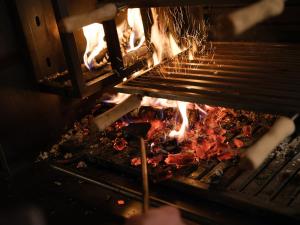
[182,106]
[120,144]
[121,202]
[181,133]
[94,35]
[213,133]
[137,35]
[180,159]
[206,133]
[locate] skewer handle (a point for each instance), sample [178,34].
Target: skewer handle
[259,151]
[107,118]
[245,18]
[104,13]
[144,176]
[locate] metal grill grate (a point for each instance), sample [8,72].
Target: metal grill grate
[272,189]
[253,76]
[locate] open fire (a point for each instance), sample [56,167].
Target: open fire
[200,142]
[131,36]
[173,143]
[181,133]
[95,43]
[201,133]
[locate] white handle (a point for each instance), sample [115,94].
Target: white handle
[259,151]
[107,118]
[104,13]
[247,17]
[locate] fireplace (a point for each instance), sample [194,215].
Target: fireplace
[202,97]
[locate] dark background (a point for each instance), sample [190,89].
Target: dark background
[30,120]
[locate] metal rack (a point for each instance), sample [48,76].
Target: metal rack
[262,77]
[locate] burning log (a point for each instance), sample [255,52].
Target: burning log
[104,13]
[104,120]
[259,151]
[125,39]
[180,159]
[243,19]
[135,55]
[102,57]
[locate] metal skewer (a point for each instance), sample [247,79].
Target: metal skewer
[144,176]
[140,130]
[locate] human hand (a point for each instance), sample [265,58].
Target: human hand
[157,216]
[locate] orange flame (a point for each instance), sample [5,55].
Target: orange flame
[135,22]
[164,43]
[161,103]
[94,35]
[182,106]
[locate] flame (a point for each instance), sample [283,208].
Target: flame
[191,55]
[164,43]
[165,46]
[135,22]
[94,35]
[182,106]
[161,103]
[118,98]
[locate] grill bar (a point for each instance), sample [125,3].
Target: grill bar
[276,171]
[262,77]
[255,174]
[285,183]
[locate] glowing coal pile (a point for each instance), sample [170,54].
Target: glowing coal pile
[178,137]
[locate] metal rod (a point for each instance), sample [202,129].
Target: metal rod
[275,172]
[113,45]
[70,50]
[211,98]
[283,184]
[130,192]
[144,176]
[216,90]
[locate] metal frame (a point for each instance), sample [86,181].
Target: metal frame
[70,50]
[228,192]
[55,61]
[250,76]
[114,51]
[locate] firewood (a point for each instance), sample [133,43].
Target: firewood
[259,151]
[103,54]
[243,19]
[107,118]
[104,13]
[131,57]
